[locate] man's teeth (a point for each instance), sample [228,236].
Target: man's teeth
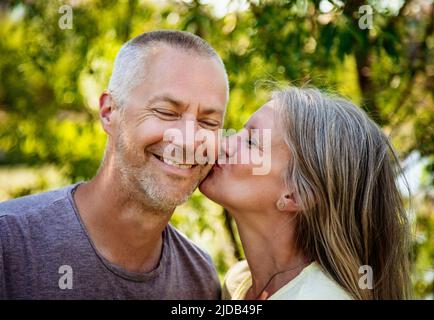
[176,164]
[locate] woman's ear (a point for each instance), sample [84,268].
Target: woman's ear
[106,108]
[287,203]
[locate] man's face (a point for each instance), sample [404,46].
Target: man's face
[178,87]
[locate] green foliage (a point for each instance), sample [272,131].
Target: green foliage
[50,81]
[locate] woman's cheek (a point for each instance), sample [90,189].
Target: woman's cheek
[242,171]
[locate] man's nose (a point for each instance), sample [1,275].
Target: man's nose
[188,144]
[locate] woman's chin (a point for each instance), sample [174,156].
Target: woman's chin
[209,188]
[206,187]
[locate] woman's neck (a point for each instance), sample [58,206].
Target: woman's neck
[269,246]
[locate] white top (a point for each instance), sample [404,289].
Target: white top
[312,283]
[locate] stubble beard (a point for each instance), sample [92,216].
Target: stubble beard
[142,183]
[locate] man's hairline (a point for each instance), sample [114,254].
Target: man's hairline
[159,44]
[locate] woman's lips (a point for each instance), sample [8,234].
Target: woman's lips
[217,167]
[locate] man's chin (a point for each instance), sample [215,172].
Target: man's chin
[164,203]
[170,197]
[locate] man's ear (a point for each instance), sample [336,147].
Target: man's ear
[106,109]
[288,203]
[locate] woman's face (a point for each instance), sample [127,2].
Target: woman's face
[236,186]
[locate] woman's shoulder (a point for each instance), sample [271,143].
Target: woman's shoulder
[235,280]
[313,283]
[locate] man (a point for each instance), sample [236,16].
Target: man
[109,238]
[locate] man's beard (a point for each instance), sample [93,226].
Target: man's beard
[143,183]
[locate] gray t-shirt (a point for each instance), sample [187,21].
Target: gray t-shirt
[46,253]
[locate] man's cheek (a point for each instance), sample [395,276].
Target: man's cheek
[151,131]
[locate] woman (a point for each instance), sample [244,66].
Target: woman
[328,212]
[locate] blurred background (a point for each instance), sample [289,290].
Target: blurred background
[56,58]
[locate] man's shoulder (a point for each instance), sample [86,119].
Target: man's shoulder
[181,241]
[194,263]
[35,214]
[31,204]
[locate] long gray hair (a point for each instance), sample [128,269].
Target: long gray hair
[343,170]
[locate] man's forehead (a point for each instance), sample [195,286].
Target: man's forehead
[162,53]
[182,78]
[180,71]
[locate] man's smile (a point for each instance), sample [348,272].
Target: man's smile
[174,166]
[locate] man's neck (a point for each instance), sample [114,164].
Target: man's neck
[123,230]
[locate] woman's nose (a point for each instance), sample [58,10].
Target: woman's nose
[229,146]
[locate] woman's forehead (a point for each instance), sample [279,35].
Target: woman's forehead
[263,118]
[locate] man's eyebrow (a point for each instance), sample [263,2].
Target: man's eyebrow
[165,98]
[211,110]
[178,103]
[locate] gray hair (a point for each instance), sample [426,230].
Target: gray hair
[343,171]
[127,73]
